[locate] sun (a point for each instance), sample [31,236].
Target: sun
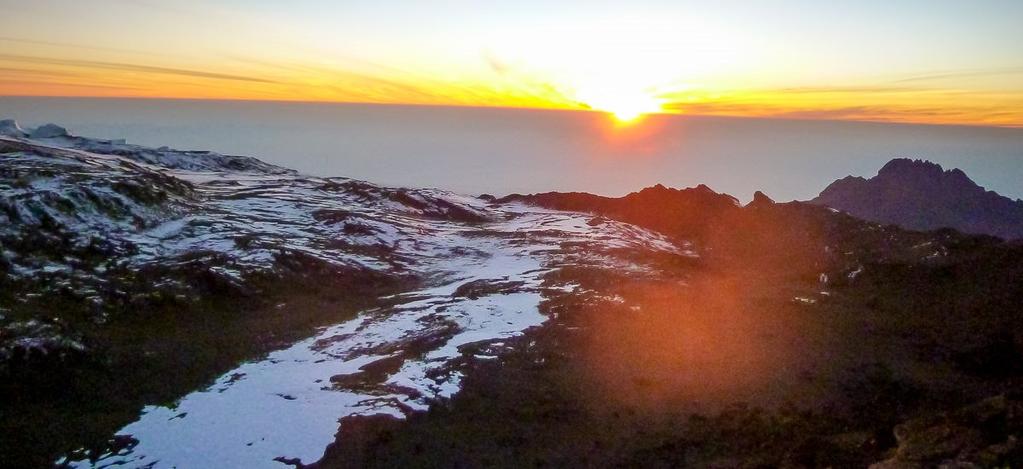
[627,114]
[631,110]
[624,105]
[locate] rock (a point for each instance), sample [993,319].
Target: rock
[760,200]
[477,289]
[331,216]
[372,373]
[359,434]
[49,131]
[10,128]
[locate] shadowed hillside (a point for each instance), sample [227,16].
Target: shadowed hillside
[801,337]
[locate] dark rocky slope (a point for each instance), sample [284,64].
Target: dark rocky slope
[801,337]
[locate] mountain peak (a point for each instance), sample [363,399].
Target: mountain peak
[921,195]
[904,165]
[907,171]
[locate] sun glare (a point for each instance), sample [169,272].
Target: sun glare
[626,115]
[624,105]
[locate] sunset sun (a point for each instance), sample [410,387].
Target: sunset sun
[627,113]
[628,108]
[624,106]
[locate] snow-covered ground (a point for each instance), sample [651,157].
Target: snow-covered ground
[482,266]
[286,406]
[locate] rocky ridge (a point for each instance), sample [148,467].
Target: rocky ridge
[100,236]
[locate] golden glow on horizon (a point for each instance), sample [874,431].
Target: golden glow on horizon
[625,96]
[863,103]
[628,61]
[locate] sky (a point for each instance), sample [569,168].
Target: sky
[932,61]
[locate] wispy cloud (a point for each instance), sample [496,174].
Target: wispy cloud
[961,74]
[18,71]
[849,89]
[869,103]
[127,67]
[67,45]
[32,84]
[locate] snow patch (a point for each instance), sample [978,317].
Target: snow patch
[247,423]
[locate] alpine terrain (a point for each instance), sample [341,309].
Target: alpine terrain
[168,308]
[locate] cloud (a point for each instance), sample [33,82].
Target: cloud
[66,45]
[862,112]
[15,71]
[495,64]
[35,85]
[920,113]
[849,89]
[126,67]
[961,74]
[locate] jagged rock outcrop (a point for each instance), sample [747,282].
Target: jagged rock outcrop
[685,213]
[760,199]
[921,195]
[10,128]
[49,131]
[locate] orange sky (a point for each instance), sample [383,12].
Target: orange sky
[931,62]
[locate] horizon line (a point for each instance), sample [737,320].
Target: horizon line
[664,113]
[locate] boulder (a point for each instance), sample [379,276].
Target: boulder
[49,131]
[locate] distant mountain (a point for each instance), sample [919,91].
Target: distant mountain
[921,195]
